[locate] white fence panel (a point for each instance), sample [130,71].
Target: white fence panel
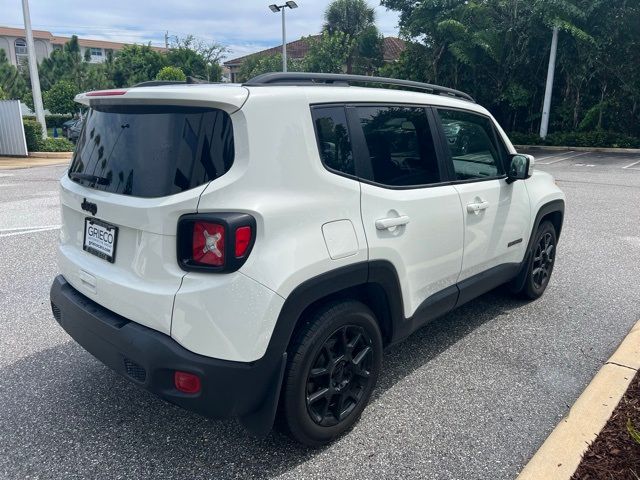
[12,139]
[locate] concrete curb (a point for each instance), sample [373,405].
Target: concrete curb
[545,148]
[559,456]
[63,155]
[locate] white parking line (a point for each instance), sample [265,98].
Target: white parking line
[10,232]
[629,166]
[576,155]
[546,157]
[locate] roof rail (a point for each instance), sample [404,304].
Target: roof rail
[158,83]
[303,78]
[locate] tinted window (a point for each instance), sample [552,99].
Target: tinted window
[400,145]
[152,151]
[333,138]
[472,143]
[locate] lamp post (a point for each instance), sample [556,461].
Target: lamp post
[546,108]
[33,69]
[281,8]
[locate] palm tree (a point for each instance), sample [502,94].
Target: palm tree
[352,17]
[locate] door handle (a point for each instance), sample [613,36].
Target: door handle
[387,223]
[477,207]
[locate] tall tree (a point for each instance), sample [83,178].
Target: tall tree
[355,19]
[11,81]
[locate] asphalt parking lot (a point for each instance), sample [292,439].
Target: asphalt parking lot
[471,396]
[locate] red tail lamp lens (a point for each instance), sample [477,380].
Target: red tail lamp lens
[243,239]
[208,243]
[187,382]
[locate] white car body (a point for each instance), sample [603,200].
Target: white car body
[309,222]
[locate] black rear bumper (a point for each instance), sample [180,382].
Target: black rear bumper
[150,358]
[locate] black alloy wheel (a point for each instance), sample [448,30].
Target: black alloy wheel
[541,262]
[339,375]
[543,258]
[333,364]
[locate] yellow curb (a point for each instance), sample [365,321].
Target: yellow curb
[628,354]
[559,456]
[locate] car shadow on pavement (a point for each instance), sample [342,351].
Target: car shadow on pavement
[64,414]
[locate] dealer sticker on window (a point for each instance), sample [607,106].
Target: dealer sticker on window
[100,239]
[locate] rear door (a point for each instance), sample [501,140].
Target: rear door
[136,170]
[496,214]
[410,217]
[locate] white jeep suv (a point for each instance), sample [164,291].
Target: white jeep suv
[248,250]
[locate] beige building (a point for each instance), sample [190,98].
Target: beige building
[13,42]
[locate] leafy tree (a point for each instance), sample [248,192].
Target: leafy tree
[187,60]
[59,98]
[171,73]
[197,57]
[498,51]
[258,64]
[328,54]
[136,63]
[369,51]
[11,82]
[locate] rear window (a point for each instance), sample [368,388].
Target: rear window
[152,151]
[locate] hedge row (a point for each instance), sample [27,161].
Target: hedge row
[35,142]
[56,120]
[596,139]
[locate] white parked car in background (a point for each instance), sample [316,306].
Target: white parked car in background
[248,250]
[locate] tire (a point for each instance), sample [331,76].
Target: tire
[541,262]
[333,366]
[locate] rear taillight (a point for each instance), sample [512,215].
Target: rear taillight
[215,242]
[207,243]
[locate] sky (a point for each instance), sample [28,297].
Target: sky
[244,26]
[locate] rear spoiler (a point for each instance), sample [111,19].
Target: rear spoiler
[227,97]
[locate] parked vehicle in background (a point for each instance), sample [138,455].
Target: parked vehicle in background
[242,250]
[66,125]
[73,132]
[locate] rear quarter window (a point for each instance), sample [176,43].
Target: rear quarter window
[334,143]
[152,151]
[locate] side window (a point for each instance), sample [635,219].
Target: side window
[400,144]
[334,143]
[473,145]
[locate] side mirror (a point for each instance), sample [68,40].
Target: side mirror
[520,167]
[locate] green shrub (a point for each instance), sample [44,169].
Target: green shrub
[518,138]
[595,139]
[56,120]
[172,74]
[55,145]
[33,134]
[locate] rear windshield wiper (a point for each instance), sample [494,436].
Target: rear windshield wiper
[95,179]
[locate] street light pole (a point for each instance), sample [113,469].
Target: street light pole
[281,8]
[33,69]
[544,124]
[284,43]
